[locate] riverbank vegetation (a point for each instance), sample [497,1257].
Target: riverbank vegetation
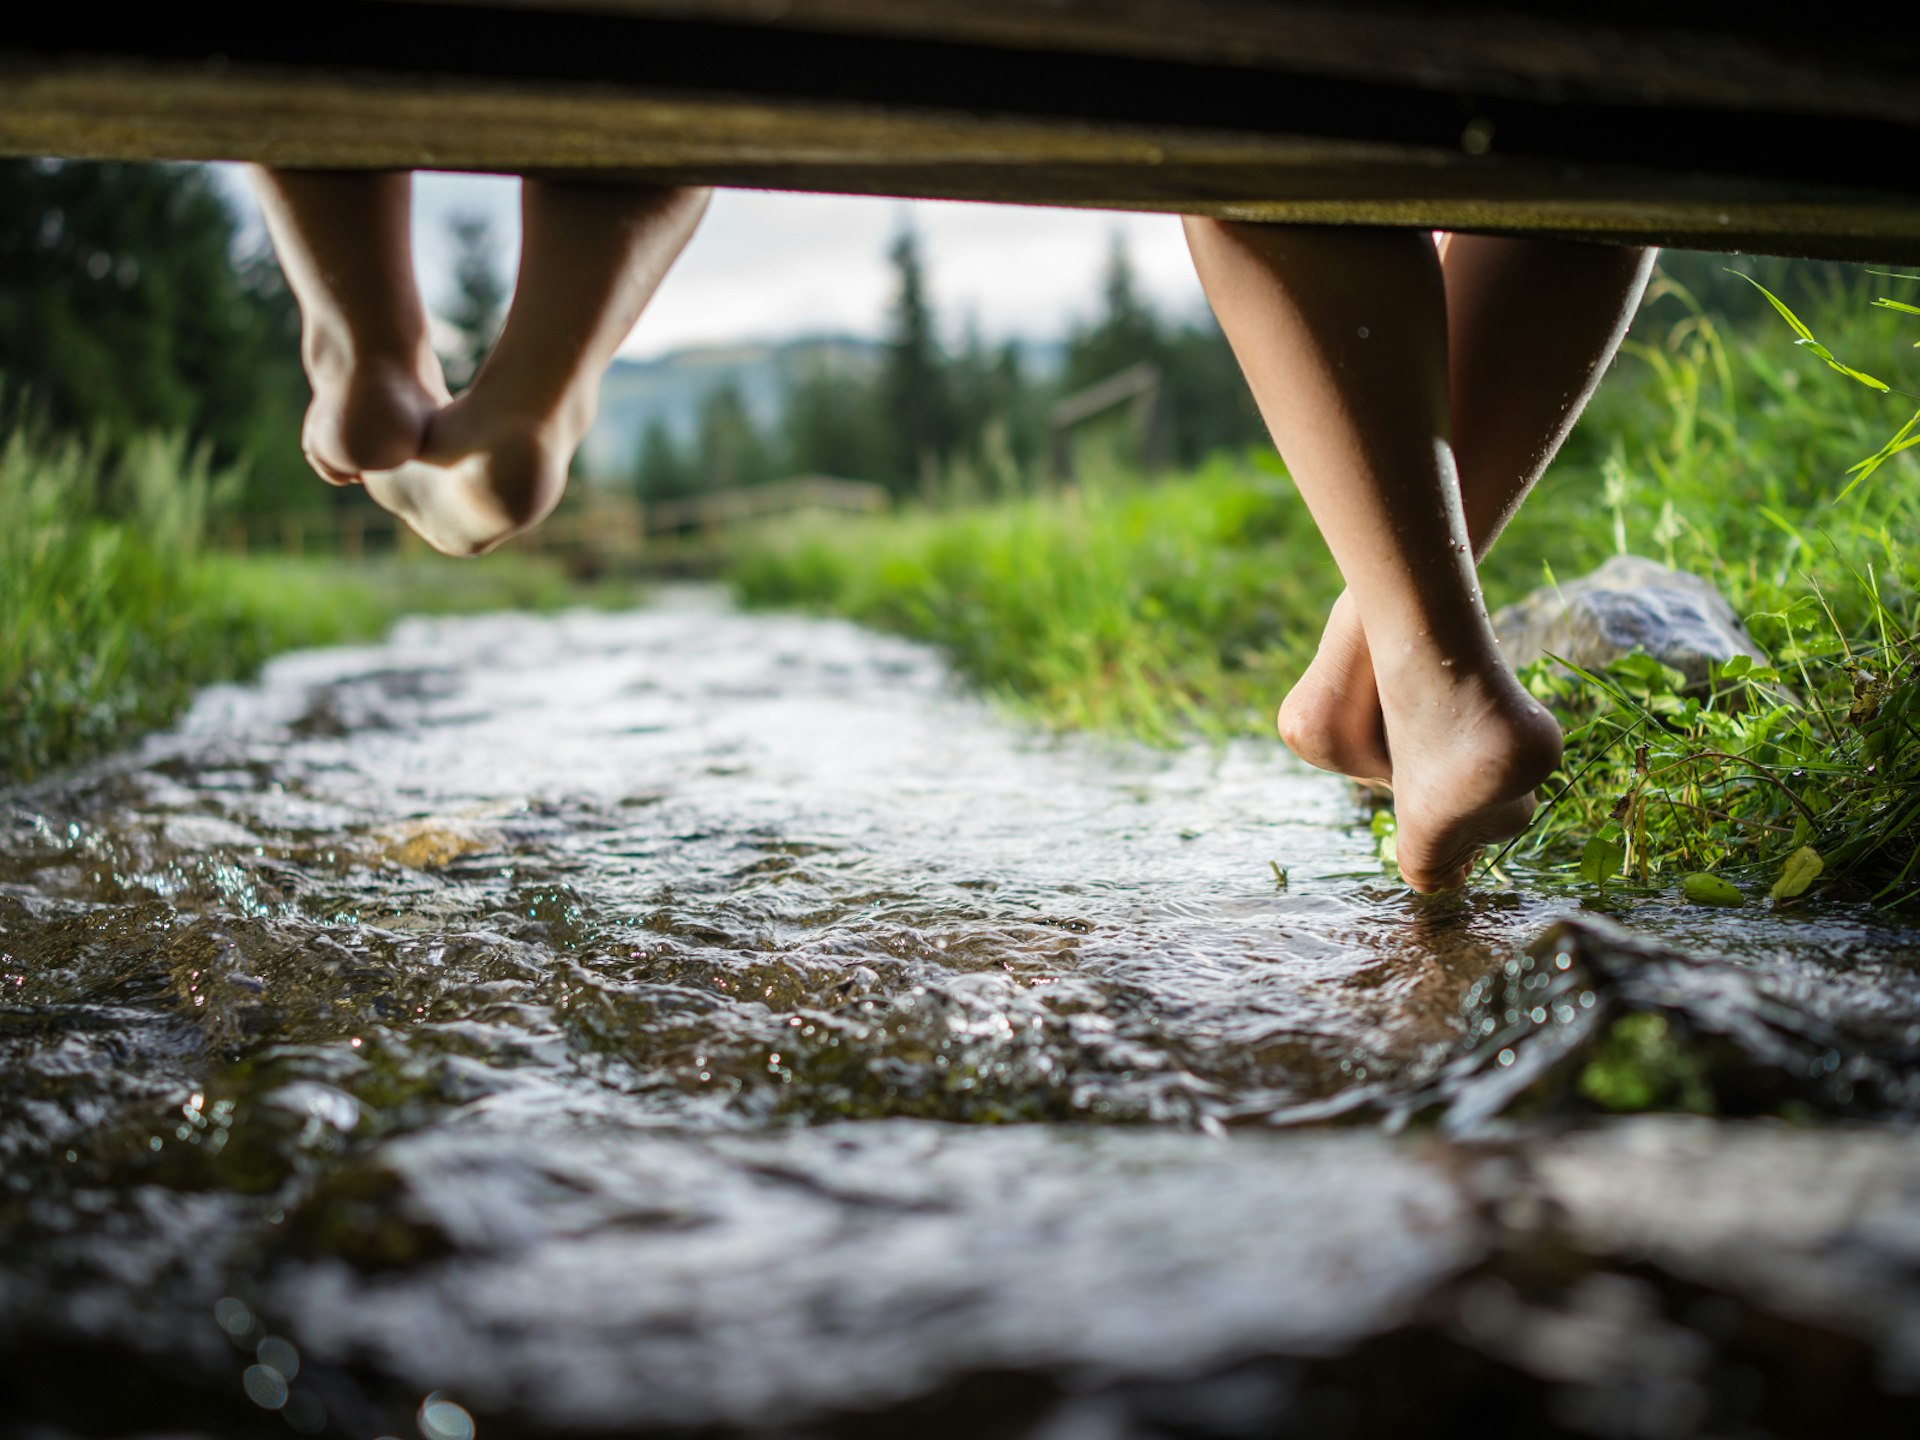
[151,395]
[1187,604]
[113,610]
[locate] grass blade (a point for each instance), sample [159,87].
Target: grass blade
[1806,336]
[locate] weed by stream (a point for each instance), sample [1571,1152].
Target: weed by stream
[114,610]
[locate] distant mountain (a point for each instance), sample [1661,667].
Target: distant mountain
[672,389]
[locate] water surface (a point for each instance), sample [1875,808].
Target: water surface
[682,1021]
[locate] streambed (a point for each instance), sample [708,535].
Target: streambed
[688,1022]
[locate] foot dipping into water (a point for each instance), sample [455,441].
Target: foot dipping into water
[1415,401]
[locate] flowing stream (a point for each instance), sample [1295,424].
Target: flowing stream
[687,1022]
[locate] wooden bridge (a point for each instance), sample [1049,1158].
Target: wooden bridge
[1702,123]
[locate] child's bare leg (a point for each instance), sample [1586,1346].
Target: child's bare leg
[1532,326]
[343,242]
[1343,337]
[495,459]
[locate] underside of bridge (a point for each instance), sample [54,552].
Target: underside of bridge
[1710,125]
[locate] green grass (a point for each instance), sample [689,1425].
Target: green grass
[1188,605]
[1152,610]
[113,612]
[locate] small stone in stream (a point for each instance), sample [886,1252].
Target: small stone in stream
[1628,604]
[432,843]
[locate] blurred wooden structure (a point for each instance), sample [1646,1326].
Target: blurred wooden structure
[1132,395]
[1692,122]
[591,534]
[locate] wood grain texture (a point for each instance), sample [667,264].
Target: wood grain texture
[1669,124]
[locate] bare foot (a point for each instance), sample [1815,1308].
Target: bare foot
[1331,717]
[485,473]
[369,412]
[1469,751]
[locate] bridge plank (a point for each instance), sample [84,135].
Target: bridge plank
[1672,124]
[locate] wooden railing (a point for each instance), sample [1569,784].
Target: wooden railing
[1134,392]
[721,509]
[590,531]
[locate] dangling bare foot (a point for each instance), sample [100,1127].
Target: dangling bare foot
[369,411]
[1331,717]
[495,460]
[1470,747]
[486,472]
[344,243]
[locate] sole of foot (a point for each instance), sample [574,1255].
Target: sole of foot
[372,416]
[1469,754]
[1331,718]
[481,477]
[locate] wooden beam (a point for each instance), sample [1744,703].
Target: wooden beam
[1690,124]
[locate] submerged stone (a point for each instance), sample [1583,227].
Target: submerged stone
[431,844]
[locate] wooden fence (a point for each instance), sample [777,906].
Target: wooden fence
[1134,393]
[590,532]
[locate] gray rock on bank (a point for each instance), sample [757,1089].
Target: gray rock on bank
[1630,603]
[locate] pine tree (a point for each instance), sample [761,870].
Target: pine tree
[914,390]
[663,471]
[479,296]
[125,307]
[732,451]
[1126,333]
[1204,402]
[832,423]
[998,410]
[1205,399]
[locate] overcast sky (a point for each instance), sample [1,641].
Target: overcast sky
[770,266]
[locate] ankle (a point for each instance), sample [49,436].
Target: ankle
[1419,663]
[1466,698]
[557,414]
[332,351]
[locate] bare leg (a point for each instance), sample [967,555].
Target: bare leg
[1532,325]
[1343,337]
[495,459]
[343,242]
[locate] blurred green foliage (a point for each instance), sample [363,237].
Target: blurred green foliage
[128,308]
[1641,1064]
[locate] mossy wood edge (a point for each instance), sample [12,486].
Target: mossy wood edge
[1694,124]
